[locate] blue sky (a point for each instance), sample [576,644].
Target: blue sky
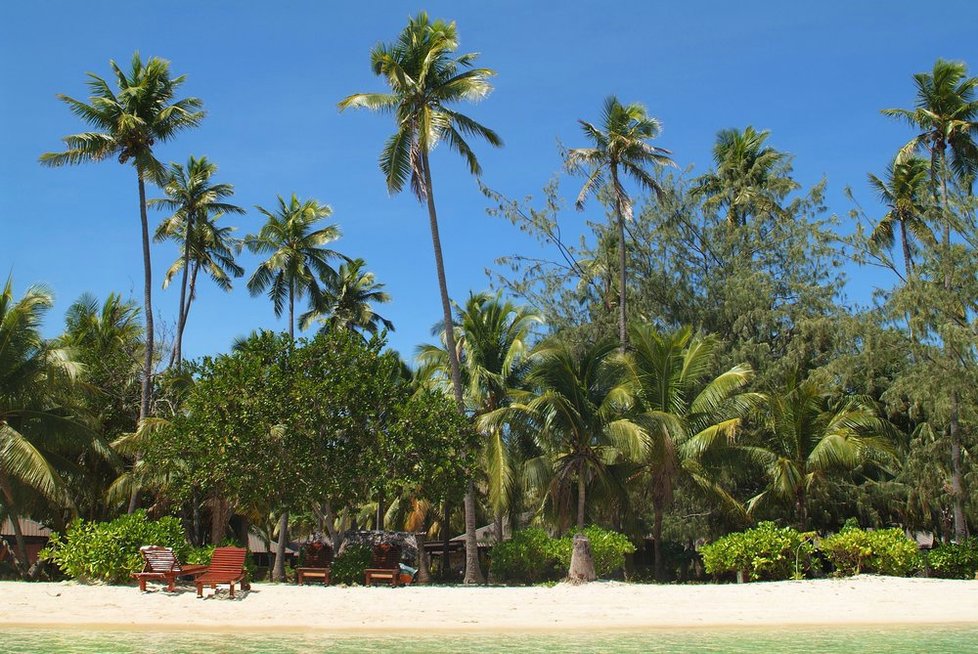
[270,75]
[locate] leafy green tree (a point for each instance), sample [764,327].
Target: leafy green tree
[297,258]
[196,202]
[620,148]
[686,412]
[127,124]
[749,178]
[424,79]
[346,301]
[904,194]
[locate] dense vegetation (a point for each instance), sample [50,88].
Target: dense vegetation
[686,371]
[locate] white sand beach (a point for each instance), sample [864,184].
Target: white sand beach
[597,606]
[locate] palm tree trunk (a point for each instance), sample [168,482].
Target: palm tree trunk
[905,242]
[446,539]
[278,573]
[620,205]
[659,564]
[473,573]
[19,542]
[291,313]
[146,388]
[580,501]
[182,317]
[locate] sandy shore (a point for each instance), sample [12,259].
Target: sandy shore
[602,605]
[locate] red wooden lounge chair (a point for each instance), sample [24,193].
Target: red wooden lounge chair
[160,564]
[385,566]
[316,561]
[227,567]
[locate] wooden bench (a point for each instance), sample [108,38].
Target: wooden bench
[227,567]
[161,564]
[316,560]
[385,565]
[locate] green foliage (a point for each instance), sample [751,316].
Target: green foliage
[767,552]
[955,560]
[109,551]
[883,551]
[532,556]
[607,547]
[348,567]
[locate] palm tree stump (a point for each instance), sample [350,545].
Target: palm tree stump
[582,561]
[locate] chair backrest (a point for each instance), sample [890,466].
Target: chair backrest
[228,560]
[158,559]
[316,555]
[386,556]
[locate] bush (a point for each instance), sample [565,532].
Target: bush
[532,556]
[348,567]
[955,560]
[883,551]
[109,551]
[767,552]
[607,547]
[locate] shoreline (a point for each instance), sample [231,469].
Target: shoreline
[865,601]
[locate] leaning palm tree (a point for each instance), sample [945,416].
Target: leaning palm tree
[127,124]
[620,148]
[424,79]
[193,199]
[904,193]
[749,178]
[946,118]
[686,411]
[347,299]
[297,258]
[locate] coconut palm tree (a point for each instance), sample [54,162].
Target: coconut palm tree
[812,434]
[425,78]
[346,301]
[127,123]
[749,178]
[193,199]
[685,411]
[492,337]
[297,258]
[620,148]
[904,193]
[34,423]
[945,114]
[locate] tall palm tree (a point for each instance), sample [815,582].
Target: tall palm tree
[297,258]
[749,178]
[492,337]
[904,193]
[810,435]
[579,410]
[685,411]
[127,124]
[620,148]
[424,79]
[34,375]
[346,301]
[945,114]
[193,199]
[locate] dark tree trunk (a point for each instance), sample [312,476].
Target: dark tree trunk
[19,542]
[446,539]
[182,317]
[278,572]
[473,573]
[657,544]
[580,500]
[582,561]
[219,520]
[424,575]
[498,527]
[621,205]
[905,243]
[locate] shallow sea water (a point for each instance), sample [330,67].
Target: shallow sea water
[930,638]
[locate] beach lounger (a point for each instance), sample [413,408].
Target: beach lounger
[160,564]
[227,567]
[385,566]
[316,560]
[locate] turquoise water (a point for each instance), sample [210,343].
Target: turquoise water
[929,638]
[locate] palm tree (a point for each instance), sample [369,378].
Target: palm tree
[578,410]
[424,79]
[492,337]
[127,125]
[34,375]
[811,434]
[297,258]
[946,115]
[903,192]
[620,148]
[194,200]
[346,301]
[750,178]
[685,412]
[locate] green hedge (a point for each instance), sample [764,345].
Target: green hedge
[955,560]
[883,551]
[348,567]
[767,552]
[531,556]
[109,551]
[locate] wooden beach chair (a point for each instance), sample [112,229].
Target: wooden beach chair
[317,560]
[385,565]
[161,564]
[227,567]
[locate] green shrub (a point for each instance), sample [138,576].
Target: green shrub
[529,557]
[767,552]
[348,567]
[883,551]
[607,547]
[955,560]
[109,551]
